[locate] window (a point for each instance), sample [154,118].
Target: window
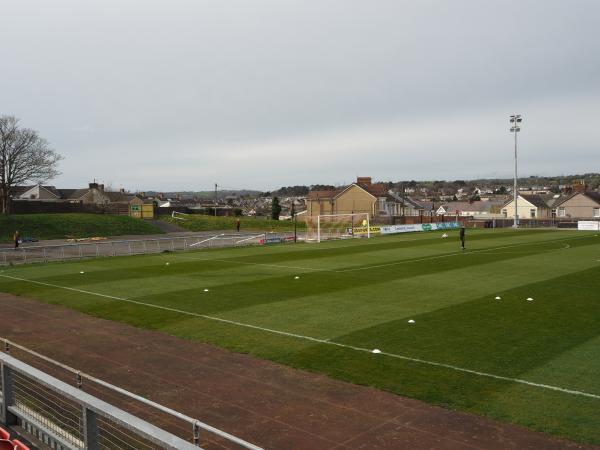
[561,211]
[596,212]
[505,213]
[532,213]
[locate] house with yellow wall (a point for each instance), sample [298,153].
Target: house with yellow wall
[528,207]
[363,196]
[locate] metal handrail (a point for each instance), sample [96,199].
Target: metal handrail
[122,241]
[107,248]
[92,407]
[196,424]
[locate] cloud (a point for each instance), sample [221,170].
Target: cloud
[173,95]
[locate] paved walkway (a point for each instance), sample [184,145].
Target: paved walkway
[273,406]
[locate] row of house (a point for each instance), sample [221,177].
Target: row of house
[578,205]
[364,196]
[95,194]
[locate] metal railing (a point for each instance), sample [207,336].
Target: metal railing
[66,417]
[94,249]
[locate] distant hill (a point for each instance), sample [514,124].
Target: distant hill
[592,181]
[207,194]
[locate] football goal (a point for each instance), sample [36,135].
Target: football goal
[179,215]
[337,226]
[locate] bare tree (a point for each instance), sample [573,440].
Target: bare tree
[24,157]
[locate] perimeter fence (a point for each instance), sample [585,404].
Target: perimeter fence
[82,414]
[94,249]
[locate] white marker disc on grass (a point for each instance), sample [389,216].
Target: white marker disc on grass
[166,264]
[376,350]
[296,278]
[529,299]
[82,271]
[411,321]
[498,298]
[205,290]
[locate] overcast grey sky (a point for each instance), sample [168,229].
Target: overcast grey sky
[176,95]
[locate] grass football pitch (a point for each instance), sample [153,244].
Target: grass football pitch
[326,307]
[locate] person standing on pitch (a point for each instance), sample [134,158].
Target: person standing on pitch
[16,238]
[237,225]
[462,238]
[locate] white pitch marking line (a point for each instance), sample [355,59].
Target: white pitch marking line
[65,287]
[491,249]
[326,341]
[279,266]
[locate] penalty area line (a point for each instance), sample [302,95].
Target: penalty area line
[324,341]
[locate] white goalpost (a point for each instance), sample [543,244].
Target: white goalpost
[338,226]
[179,215]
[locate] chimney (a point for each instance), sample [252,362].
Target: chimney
[101,187]
[93,185]
[363,180]
[579,186]
[122,190]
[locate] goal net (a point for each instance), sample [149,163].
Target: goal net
[337,226]
[179,215]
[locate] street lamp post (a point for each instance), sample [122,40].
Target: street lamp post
[515,120]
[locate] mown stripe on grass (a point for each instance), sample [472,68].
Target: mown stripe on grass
[332,343]
[380,244]
[244,294]
[511,334]
[249,293]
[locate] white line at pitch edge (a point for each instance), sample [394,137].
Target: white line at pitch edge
[324,341]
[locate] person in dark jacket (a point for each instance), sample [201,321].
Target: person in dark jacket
[462,238]
[17,238]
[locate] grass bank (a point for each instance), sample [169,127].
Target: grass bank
[208,223]
[61,226]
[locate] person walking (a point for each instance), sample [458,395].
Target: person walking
[237,225]
[462,238]
[16,238]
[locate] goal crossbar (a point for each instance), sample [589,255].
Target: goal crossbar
[364,216]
